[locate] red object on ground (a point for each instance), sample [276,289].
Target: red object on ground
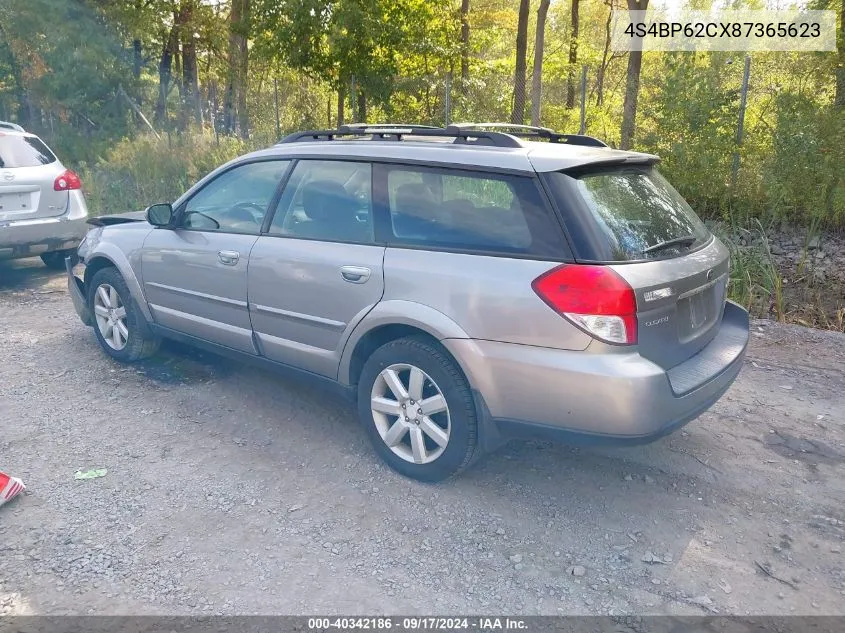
[10,487]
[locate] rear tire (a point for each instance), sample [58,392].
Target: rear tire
[56,259]
[418,410]
[119,326]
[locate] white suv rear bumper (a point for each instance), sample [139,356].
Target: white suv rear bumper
[28,238]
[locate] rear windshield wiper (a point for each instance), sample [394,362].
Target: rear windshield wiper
[686,240]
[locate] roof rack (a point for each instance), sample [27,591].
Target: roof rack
[495,134]
[11,126]
[393,131]
[383,131]
[381,126]
[532,131]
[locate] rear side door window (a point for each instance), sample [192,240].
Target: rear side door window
[465,210]
[328,200]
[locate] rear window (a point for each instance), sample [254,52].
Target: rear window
[626,214]
[23,151]
[466,210]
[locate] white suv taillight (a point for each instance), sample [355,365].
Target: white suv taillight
[594,298]
[66,181]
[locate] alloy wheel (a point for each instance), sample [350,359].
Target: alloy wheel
[110,314]
[410,413]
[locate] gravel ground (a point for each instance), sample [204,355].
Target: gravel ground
[232,491]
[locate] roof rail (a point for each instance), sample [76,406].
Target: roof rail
[392,131]
[516,127]
[378,126]
[496,134]
[532,131]
[384,131]
[11,126]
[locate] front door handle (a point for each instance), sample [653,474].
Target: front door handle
[355,274]
[229,258]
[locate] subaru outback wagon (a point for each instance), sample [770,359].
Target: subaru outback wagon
[464,285]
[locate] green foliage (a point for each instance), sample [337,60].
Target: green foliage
[755,282]
[695,134]
[335,40]
[805,174]
[144,171]
[63,64]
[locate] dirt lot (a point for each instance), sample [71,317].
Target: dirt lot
[232,491]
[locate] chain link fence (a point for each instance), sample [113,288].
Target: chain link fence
[432,99]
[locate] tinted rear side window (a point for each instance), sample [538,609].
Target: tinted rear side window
[626,214]
[465,210]
[327,200]
[23,151]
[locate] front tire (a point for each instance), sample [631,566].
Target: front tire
[418,410]
[118,324]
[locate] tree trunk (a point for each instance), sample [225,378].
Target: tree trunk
[229,106]
[537,72]
[190,72]
[243,70]
[212,103]
[231,89]
[137,53]
[518,114]
[839,96]
[137,59]
[604,57]
[362,106]
[232,94]
[177,68]
[573,57]
[165,74]
[464,47]
[632,86]
[341,103]
[24,111]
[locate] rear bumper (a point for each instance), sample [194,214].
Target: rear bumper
[27,238]
[597,397]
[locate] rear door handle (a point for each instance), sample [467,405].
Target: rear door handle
[229,258]
[355,274]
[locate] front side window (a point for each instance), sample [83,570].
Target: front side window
[237,200]
[23,151]
[630,213]
[458,209]
[328,200]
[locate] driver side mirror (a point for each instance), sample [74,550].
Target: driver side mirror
[160,214]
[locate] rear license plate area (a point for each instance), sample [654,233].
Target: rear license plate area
[15,202]
[698,311]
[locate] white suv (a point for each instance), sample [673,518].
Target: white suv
[42,209]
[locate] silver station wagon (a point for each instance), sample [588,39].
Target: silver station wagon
[463,285]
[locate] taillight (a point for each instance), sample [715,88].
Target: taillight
[67,181]
[594,298]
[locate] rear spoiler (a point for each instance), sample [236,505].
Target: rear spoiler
[120,218]
[598,165]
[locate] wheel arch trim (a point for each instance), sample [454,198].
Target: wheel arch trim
[399,312]
[118,259]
